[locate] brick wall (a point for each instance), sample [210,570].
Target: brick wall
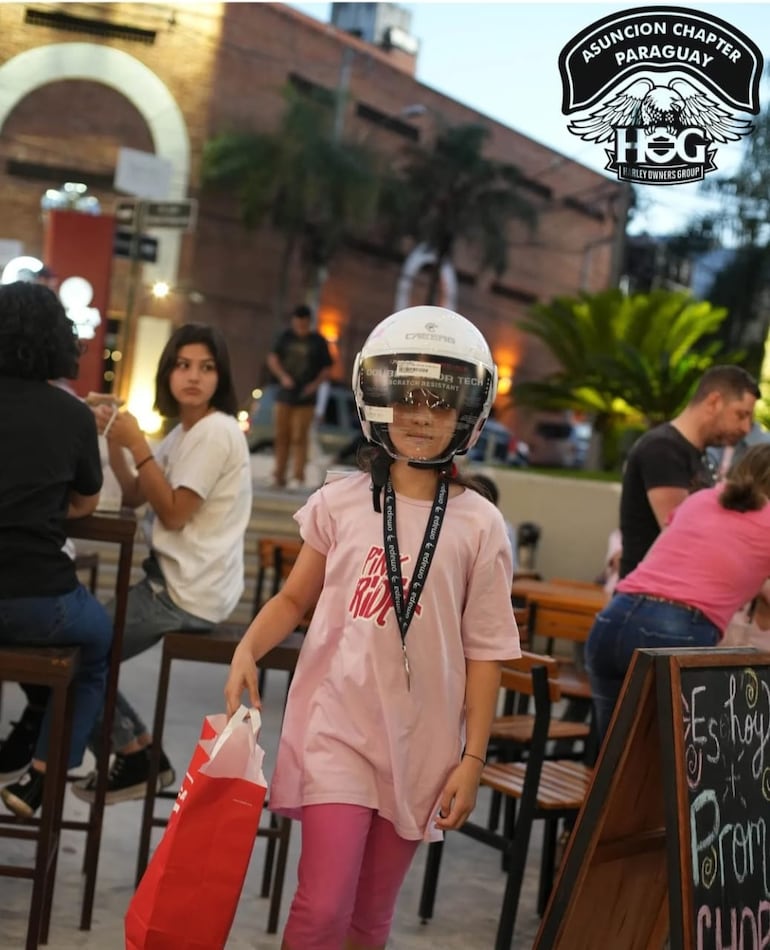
[225,65]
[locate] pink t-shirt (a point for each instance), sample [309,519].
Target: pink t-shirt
[707,557]
[352,732]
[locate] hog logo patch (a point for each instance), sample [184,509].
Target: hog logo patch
[660,87]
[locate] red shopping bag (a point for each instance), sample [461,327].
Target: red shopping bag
[189,893]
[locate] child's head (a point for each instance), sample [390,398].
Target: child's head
[37,338]
[208,350]
[424,383]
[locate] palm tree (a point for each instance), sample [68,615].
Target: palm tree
[626,360]
[303,180]
[453,193]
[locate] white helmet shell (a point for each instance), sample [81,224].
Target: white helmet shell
[434,350]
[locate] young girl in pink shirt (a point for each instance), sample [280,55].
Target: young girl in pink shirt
[388,716]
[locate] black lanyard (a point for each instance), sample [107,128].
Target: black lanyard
[405,611]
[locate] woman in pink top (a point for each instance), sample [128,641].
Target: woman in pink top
[712,558]
[388,716]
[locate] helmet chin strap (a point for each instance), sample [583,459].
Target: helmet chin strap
[439,466]
[380,472]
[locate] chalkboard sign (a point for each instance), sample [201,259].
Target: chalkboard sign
[718,797]
[672,845]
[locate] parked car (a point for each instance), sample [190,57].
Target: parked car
[553,444]
[337,428]
[496,443]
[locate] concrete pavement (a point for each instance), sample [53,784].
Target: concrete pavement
[470,890]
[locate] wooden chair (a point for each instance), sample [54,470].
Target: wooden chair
[521,616]
[580,585]
[548,789]
[216,646]
[511,733]
[83,562]
[275,559]
[56,669]
[113,528]
[89,562]
[517,724]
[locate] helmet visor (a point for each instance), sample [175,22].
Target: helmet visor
[423,408]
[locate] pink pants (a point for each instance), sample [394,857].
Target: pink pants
[351,868]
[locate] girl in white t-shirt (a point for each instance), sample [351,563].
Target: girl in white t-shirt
[197,486]
[388,716]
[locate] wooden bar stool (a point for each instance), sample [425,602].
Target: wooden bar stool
[275,559]
[54,667]
[89,562]
[115,528]
[216,646]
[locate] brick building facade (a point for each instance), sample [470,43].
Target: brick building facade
[86,79]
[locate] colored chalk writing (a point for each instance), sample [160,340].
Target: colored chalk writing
[725,720]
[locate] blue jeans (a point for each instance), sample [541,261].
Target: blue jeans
[636,621]
[149,614]
[74,619]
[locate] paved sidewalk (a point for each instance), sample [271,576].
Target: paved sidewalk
[470,889]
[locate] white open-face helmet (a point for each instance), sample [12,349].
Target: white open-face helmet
[431,351]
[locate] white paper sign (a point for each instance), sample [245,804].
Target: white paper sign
[143,174]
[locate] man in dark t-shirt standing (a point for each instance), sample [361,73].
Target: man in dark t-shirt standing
[669,462]
[300,361]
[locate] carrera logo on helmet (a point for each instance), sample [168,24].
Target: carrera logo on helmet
[436,337]
[431,327]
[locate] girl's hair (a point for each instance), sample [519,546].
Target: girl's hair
[374,459]
[486,487]
[748,485]
[224,398]
[37,338]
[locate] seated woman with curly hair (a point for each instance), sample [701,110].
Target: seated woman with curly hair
[50,472]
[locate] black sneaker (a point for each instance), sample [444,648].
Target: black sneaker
[19,745]
[24,797]
[127,779]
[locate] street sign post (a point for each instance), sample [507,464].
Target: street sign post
[145,249]
[132,217]
[170,214]
[126,215]
[135,215]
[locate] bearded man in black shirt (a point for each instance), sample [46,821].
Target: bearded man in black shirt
[669,462]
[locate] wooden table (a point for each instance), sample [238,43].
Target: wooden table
[117,528]
[559,609]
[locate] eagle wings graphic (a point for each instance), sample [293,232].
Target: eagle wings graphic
[677,105]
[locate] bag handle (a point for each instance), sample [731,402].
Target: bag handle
[255,720]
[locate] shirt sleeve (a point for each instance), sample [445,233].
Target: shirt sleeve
[662,466]
[488,625]
[279,345]
[324,356]
[87,479]
[315,523]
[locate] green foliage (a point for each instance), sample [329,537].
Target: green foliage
[630,361]
[740,287]
[302,179]
[746,192]
[452,193]
[743,222]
